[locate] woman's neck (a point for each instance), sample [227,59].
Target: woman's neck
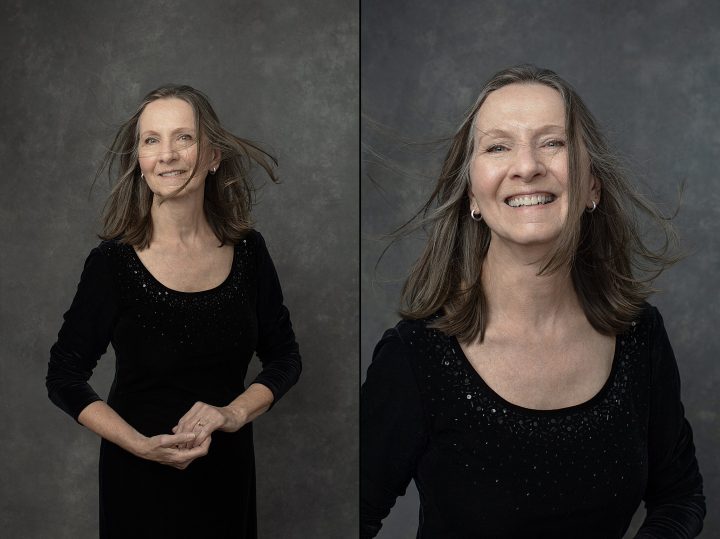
[517,297]
[180,221]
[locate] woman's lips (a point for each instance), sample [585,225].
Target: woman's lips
[537,199]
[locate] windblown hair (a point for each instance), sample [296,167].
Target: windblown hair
[611,266]
[229,193]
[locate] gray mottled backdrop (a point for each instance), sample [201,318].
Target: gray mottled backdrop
[283,73]
[650,72]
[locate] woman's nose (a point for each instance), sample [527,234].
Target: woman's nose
[527,165]
[167,152]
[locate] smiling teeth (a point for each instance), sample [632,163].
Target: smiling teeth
[532,200]
[173,173]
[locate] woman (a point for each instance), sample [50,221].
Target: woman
[530,390]
[186,292]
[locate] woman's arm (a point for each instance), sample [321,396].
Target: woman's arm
[82,340]
[277,348]
[203,419]
[392,432]
[674,495]
[83,337]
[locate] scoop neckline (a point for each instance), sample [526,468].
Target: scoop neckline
[182,292]
[551,411]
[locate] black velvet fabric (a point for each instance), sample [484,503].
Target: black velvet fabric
[173,349]
[486,468]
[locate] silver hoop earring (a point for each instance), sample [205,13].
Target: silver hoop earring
[142,175]
[473,217]
[593,208]
[213,170]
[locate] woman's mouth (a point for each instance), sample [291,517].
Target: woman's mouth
[529,200]
[171,173]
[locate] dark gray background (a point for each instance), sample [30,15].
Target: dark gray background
[649,71]
[283,73]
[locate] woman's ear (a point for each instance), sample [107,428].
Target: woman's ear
[216,155]
[471,198]
[595,189]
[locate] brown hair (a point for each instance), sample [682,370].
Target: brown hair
[611,266]
[229,194]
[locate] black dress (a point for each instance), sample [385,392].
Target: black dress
[174,349]
[486,468]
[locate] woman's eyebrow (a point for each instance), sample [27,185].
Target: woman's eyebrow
[500,133]
[176,130]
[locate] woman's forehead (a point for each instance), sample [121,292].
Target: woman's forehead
[166,113]
[521,106]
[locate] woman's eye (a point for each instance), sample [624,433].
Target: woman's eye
[496,148]
[150,140]
[185,137]
[555,143]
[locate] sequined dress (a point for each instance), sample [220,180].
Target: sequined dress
[173,349]
[486,468]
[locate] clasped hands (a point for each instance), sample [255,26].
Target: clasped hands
[192,435]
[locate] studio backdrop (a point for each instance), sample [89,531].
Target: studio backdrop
[283,74]
[650,73]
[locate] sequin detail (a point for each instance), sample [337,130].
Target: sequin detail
[189,324]
[526,461]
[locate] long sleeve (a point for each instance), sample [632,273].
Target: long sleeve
[277,349]
[674,495]
[83,337]
[392,432]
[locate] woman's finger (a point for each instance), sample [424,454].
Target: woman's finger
[171,440]
[183,457]
[202,419]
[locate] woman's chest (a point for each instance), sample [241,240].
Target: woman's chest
[189,271]
[489,462]
[157,325]
[541,373]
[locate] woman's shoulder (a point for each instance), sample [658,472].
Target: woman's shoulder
[252,237]
[252,244]
[112,254]
[648,319]
[409,328]
[103,254]
[415,338]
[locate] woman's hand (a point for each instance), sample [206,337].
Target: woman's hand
[202,420]
[170,449]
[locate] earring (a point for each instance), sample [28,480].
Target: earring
[142,175]
[473,217]
[213,170]
[593,208]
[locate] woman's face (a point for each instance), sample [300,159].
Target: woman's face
[519,169]
[168,149]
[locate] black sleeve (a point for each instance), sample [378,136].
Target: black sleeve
[277,349]
[83,337]
[392,432]
[674,495]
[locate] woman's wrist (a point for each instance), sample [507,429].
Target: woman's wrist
[137,444]
[236,416]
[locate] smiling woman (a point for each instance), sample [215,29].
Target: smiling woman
[167,127]
[519,169]
[530,391]
[186,292]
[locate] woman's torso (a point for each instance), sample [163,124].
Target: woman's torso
[491,468]
[174,348]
